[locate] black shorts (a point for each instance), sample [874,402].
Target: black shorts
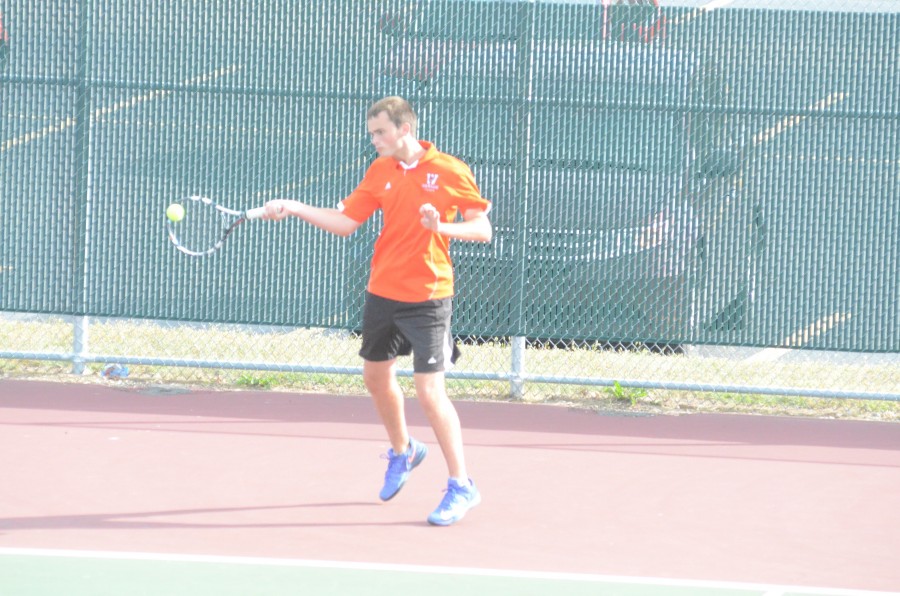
[391,328]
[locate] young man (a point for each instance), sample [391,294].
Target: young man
[420,192]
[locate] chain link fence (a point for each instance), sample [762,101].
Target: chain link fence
[686,198]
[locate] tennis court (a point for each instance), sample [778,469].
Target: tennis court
[112,489]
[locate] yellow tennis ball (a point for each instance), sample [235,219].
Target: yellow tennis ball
[175,212]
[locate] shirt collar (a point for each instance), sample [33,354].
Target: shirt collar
[430,152]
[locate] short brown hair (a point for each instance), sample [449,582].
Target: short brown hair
[398,111]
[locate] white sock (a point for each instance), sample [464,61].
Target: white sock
[461,481]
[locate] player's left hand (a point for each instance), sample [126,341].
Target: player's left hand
[431,218]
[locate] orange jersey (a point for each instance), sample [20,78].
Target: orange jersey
[410,262]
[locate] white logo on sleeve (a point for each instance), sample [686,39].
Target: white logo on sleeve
[387,186]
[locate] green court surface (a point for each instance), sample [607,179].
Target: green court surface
[53,573]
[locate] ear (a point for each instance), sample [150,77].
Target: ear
[405,129]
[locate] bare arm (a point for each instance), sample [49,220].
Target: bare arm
[330,220]
[475,227]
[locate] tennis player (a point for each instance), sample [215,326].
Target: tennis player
[426,198]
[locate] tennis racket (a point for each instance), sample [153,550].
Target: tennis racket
[206,225]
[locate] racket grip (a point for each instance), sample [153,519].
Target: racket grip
[256,213]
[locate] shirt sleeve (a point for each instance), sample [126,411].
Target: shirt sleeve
[468,196]
[360,204]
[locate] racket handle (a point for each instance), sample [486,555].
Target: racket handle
[256,213]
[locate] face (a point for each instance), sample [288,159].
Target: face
[385,135]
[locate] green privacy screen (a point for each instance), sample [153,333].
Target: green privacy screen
[669,175]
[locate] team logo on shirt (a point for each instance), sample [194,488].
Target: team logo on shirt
[430,182]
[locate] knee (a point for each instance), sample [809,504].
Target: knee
[430,390]
[379,376]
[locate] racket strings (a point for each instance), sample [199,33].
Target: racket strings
[202,229]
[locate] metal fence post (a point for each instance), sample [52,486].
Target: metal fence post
[80,344]
[524,73]
[517,374]
[81,217]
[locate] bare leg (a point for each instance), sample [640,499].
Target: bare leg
[381,381]
[432,394]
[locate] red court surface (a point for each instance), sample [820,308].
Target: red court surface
[725,498]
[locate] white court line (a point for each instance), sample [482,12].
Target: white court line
[788,122]
[34,136]
[129,103]
[309,180]
[804,336]
[105,111]
[801,337]
[792,121]
[765,589]
[839,160]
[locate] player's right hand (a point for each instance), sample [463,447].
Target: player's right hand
[276,210]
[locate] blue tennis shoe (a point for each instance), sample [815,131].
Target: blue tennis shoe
[399,467]
[456,503]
